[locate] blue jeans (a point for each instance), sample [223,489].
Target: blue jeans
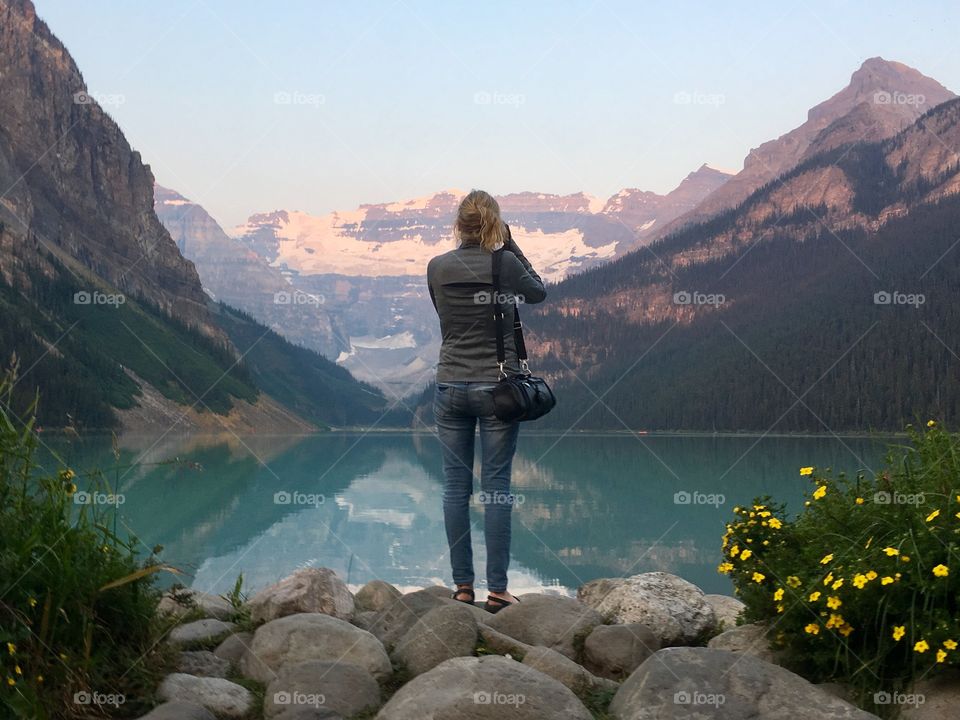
[457,406]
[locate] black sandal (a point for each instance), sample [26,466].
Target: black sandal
[498,604]
[464,591]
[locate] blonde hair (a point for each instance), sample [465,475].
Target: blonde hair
[478,222]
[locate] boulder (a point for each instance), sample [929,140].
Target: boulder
[670,606]
[688,682]
[308,590]
[202,663]
[562,668]
[376,595]
[559,623]
[183,601]
[219,696]
[311,636]
[338,687]
[501,644]
[200,631]
[392,624]
[749,639]
[935,698]
[615,651]
[445,632]
[233,647]
[484,688]
[726,609]
[306,712]
[593,592]
[177,710]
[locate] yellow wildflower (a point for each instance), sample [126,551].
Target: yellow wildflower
[812,629]
[724,568]
[778,595]
[950,644]
[11,681]
[745,555]
[891,552]
[837,584]
[819,492]
[933,515]
[806,471]
[17,670]
[941,571]
[835,621]
[833,602]
[11,648]
[758,577]
[828,579]
[826,558]
[871,574]
[734,551]
[846,629]
[941,656]
[814,596]
[859,581]
[886,580]
[793,581]
[859,501]
[899,631]
[921,646]
[905,558]
[775,523]
[931,423]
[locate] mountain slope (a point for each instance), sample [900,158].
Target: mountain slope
[767,316]
[71,183]
[108,321]
[882,98]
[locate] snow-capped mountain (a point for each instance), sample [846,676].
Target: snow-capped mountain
[351,284]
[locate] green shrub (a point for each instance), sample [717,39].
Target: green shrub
[77,608]
[862,587]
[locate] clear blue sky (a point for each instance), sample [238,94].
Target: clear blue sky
[582,95]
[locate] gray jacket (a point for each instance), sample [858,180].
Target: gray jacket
[461,286]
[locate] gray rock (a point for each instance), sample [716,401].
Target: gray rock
[339,687]
[940,698]
[615,651]
[748,639]
[393,623]
[302,712]
[439,591]
[311,636]
[558,623]
[562,668]
[233,647]
[726,609]
[219,696]
[501,644]
[199,631]
[484,688]
[309,590]
[445,632]
[670,606]
[376,595]
[365,619]
[202,663]
[185,601]
[177,710]
[688,682]
[593,592]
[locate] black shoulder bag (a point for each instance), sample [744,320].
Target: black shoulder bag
[522,396]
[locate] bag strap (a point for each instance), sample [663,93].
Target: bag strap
[498,319]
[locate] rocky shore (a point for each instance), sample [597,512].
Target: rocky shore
[648,646]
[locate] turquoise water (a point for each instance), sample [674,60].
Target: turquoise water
[368,506]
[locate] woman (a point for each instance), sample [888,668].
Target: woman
[460,283]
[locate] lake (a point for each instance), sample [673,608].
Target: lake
[368,505]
